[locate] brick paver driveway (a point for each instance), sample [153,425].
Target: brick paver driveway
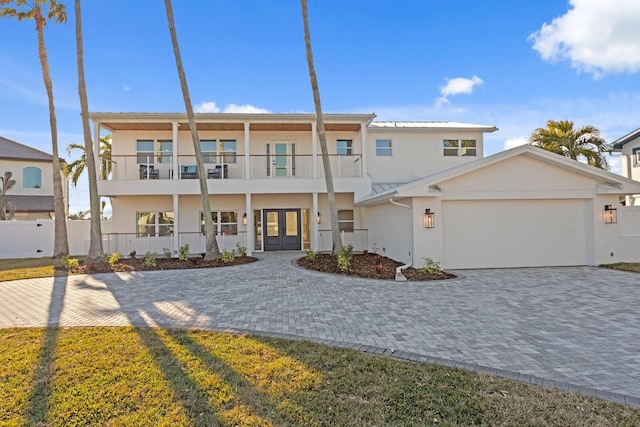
[573,327]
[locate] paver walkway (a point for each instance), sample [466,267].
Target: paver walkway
[576,328]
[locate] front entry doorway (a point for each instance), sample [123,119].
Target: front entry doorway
[282,230]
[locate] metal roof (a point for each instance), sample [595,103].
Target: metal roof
[620,142]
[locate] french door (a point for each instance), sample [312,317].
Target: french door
[282,229]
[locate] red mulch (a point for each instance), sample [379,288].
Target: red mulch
[136,264]
[369,266]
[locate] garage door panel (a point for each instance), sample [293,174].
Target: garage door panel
[513,233]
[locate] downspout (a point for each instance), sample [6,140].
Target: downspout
[399,276]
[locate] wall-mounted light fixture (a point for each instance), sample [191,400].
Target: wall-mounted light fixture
[429,219]
[319,218]
[244,219]
[610,215]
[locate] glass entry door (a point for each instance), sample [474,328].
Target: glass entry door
[282,229]
[280,160]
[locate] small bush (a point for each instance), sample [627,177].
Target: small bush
[183,252]
[242,251]
[132,254]
[228,256]
[431,266]
[149,260]
[113,258]
[166,253]
[344,257]
[310,254]
[70,263]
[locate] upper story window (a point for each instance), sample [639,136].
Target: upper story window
[345,220]
[154,224]
[344,147]
[223,152]
[165,151]
[636,157]
[31,177]
[462,147]
[383,148]
[145,152]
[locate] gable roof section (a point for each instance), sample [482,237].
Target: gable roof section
[608,183]
[15,151]
[620,142]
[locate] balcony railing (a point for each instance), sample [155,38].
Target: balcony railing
[141,167]
[127,242]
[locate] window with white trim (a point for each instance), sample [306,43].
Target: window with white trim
[345,220]
[228,150]
[31,177]
[384,148]
[154,224]
[145,152]
[165,151]
[636,157]
[459,148]
[228,223]
[344,147]
[223,151]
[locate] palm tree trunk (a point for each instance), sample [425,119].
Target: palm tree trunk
[95,239]
[212,250]
[61,244]
[336,241]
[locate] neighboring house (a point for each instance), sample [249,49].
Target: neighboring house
[32,170]
[629,148]
[407,190]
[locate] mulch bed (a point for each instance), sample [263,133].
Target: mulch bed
[369,266]
[136,264]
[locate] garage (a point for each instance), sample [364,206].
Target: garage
[514,233]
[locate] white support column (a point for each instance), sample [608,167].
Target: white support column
[175,241]
[363,142]
[314,151]
[250,227]
[174,128]
[315,241]
[96,150]
[247,152]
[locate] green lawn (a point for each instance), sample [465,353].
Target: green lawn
[29,268]
[128,376]
[624,266]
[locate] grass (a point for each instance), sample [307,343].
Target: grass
[624,266]
[130,376]
[30,268]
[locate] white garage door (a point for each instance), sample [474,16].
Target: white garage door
[514,233]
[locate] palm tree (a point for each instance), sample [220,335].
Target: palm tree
[561,138]
[95,234]
[7,208]
[211,250]
[74,169]
[36,10]
[336,239]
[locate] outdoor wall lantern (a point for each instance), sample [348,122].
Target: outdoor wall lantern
[429,219]
[610,215]
[319,218]
[244,219]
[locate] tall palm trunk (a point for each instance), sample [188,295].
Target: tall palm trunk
[212,250]
[61,244]
[95,239]
[336,241]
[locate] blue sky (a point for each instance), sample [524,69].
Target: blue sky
[511,64]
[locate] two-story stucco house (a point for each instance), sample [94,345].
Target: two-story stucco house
[629,148]
[407,190]
[32,170]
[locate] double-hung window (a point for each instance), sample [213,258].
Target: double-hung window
[208,148]
[345,220]
[154,224]
[223,151]
[459,148]
[145,152]
[344,147]
[636,157]
[384,148]
[224,222]
[165,151]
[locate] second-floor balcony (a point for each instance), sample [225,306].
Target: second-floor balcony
[232,167]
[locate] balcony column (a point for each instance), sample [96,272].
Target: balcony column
[363,143]
[250,227]
[175,239]
[247,152]
[315,236]
[96,150]
[314,151]
[174,136]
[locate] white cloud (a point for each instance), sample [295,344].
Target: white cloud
[456,86]
[597,36]
[515,142]
[207,107]
[212,107]
[127,88]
